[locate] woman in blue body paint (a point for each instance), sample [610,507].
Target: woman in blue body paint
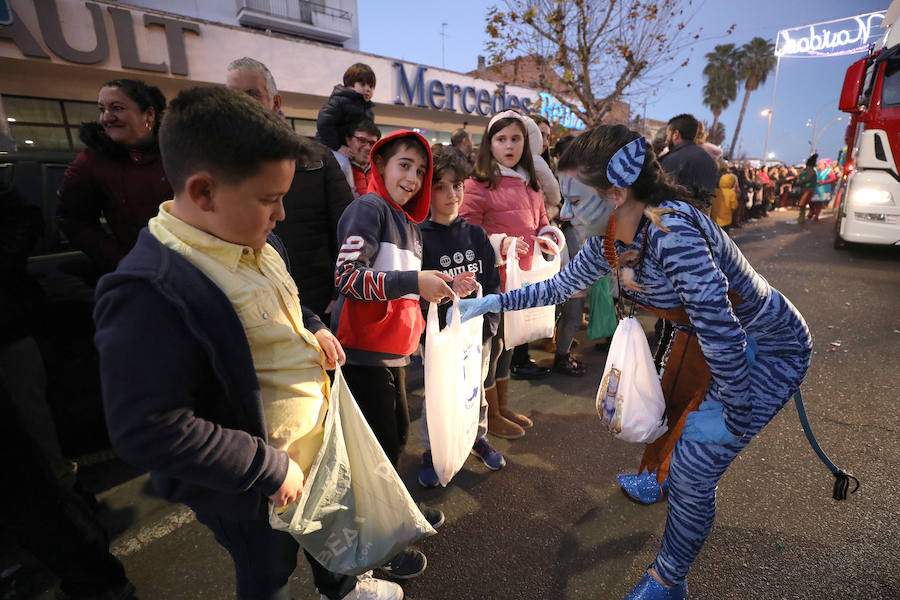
[740,351]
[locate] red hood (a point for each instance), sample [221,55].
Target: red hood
[417,207]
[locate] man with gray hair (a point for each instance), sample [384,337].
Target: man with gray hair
[315,202]
[244,75]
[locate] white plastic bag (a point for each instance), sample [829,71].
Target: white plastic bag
[527,325]
[630,398]
[452,389]
[355,512]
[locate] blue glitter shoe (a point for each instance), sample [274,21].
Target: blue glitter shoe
[648,588]
[642,487]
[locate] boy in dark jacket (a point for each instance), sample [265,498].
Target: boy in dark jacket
[347,105]
[454,247]
[379,279]
[213,374]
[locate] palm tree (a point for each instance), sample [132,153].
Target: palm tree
[755,61]
[721,80]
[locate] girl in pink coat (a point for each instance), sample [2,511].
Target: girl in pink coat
[504,197]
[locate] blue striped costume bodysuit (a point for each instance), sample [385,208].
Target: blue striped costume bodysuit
[678,270]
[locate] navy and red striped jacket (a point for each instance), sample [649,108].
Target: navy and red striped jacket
[377,318]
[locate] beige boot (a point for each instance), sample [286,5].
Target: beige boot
[503,401]
[497,424]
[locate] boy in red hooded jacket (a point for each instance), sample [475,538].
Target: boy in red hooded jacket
[377,317]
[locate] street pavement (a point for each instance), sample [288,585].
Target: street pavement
[554,525]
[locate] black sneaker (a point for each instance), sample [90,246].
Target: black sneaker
[407,564]
[529,370]
[434,516]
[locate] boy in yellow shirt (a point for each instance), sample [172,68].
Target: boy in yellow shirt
[213,374]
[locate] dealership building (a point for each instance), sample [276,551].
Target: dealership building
[56,54]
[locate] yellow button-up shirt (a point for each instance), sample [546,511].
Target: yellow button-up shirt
[289,363]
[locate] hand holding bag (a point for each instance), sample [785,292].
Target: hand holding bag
[355,512]
[527,325]
[630,399]
[452,388]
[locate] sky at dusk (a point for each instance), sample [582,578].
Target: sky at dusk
[807,87]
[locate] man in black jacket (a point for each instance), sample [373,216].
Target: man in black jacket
[690,164]
[318,196]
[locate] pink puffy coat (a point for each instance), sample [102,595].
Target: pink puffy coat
[512,208]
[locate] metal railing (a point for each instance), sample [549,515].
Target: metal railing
[282,9]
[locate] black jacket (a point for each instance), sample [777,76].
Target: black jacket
[693,168]
[21,296]
[345,107]
[313,206]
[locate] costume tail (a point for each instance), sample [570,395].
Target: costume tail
[842,479]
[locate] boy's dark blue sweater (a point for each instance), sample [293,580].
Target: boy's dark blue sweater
[456,248]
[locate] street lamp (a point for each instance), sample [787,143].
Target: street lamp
[767,112]
[816,136]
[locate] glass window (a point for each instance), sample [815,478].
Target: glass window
[386,129]
[81,112]
[33,110]
[77,144]
[305,127]
[890,88]
[37,137]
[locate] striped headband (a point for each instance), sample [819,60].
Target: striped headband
[625,165]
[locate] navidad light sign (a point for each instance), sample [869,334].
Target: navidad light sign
[831,38]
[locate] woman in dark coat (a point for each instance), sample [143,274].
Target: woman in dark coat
[119,175]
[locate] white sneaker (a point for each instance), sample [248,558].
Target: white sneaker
[369,588]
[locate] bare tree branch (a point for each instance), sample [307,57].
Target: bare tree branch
[603,50]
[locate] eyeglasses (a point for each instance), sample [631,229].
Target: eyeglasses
[364,140]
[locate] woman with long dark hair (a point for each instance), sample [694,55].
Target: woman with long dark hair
[740,350]
[119,175]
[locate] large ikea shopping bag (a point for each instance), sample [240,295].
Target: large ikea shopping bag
[452,389]
[355,512]
[527,325]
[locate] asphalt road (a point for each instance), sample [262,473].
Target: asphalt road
[554,525]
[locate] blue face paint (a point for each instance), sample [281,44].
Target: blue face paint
[587,208]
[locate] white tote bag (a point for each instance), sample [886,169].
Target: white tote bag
[630,399]
[452,389]
[527,325]
[355,512]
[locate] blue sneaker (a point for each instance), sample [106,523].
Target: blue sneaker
[648,588]
[427,476]
[642,487]
[492,459]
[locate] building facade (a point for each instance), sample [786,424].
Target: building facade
[56,54]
